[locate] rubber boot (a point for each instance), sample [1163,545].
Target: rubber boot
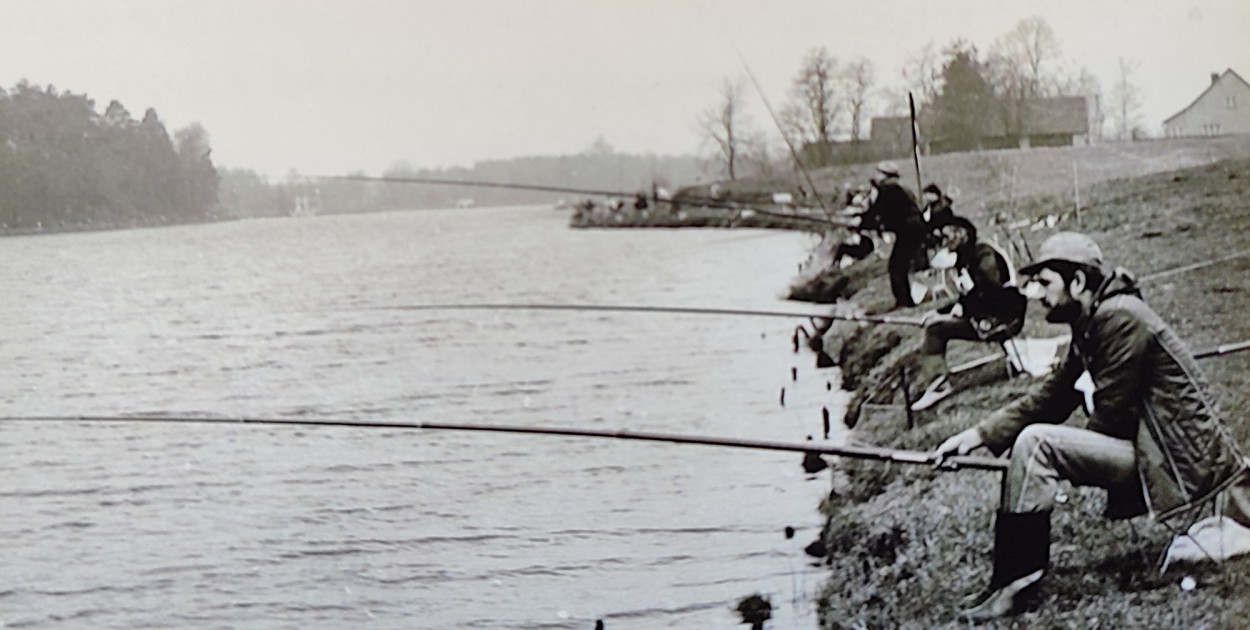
[1021,555]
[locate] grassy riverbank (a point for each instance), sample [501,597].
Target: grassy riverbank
[906,543]
[985,183]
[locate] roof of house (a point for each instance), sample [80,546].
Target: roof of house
[1059,115]
[890,127]
[1045,116]
[1224,76]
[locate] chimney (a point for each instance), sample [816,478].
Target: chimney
[1215,78]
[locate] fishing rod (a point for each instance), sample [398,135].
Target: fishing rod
[705,202]
[875,319]
[1198,265]
[475,184]
[784,136]
[1228,348]
[851,451]
[832,221]
[915,143]
[1220,351]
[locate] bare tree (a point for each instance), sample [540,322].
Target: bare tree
[891,101]
[815,105]
[1126,99]
[756,158]
[923,72]
[794,123]
[1020,65]
[1083,83]
[859,79]
[724,125]
[1029,51]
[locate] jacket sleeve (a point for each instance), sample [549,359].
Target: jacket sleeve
[1052,403]
[987,271]
[1124,341]
[872,219]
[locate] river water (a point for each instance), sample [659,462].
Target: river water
[212,526]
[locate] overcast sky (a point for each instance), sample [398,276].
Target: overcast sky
[331,86]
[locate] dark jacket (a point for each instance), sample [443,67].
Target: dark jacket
[1148,390]
[894,210]
[995,308]
[940,211]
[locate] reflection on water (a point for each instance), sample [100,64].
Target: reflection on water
[259,527]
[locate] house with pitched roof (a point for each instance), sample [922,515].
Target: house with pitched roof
[1223,108]
[1035,122]
[1039,122]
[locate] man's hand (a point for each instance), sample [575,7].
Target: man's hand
[960,444]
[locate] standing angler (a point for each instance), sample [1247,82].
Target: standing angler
[893,209]
[1153,440]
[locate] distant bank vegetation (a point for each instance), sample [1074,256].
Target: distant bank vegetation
[65,166]
[245,193]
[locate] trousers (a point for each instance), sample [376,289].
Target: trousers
[943,328]
[1045,454]
[906,244]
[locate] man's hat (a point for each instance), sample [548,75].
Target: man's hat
[1071,247]
[887,169]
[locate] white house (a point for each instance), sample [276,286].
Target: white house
[1223,108]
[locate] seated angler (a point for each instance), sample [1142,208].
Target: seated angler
[859,244]
[938,207]
[989,308]
[1153,440]
[856,247]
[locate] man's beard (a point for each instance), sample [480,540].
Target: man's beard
[1065,313]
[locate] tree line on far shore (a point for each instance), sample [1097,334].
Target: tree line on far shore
[65,166]
[245,193]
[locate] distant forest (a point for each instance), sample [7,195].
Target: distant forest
[246,194]
[65,166]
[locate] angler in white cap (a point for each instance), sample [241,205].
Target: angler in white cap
[885,170]
[1152,440]
[892,208]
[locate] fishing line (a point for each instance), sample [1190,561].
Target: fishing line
[784,136]
[1227,348]
[875,319]
[1198,265]
[854,452]
[704,202]
[475,184]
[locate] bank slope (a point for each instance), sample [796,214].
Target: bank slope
[906,543]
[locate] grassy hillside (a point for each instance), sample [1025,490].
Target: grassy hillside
[906,543]
[986,184]
[986,179]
